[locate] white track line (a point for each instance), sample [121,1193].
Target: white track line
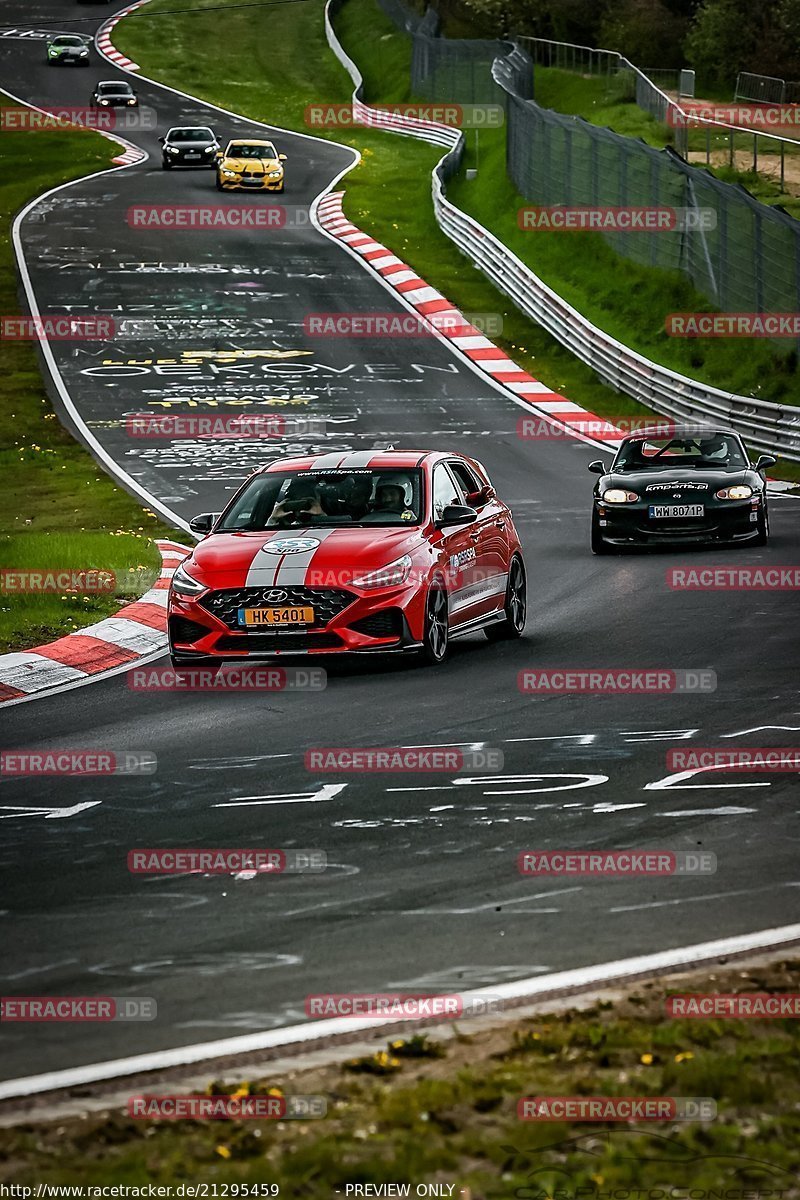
[578,980]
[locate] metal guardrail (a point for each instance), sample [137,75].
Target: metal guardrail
[768,427]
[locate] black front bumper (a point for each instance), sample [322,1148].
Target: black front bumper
[632,526]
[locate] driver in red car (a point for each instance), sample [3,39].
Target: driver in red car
[390,494]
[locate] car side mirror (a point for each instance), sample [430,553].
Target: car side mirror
[219,155]
[203,522]
[597,467]
[764,461]
[162,140]
[282,157]
[456,514]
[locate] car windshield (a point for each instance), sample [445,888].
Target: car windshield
[245,150]
[328,499]
[190,135]
[704,450]
[68,41]
[114,89]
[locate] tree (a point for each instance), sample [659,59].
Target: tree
[646,32]
[723,39]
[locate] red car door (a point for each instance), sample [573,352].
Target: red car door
[458,550]
[490,571]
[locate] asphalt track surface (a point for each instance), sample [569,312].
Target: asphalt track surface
[422,892]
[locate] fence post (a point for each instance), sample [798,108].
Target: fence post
[758,259]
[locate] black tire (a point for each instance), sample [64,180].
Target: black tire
[516,606]
[166,165]
[762,527]
[599,544]
[219,183]
[436,633]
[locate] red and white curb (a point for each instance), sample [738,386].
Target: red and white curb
[481,352]
[106,47]
[131,155]
[138,630]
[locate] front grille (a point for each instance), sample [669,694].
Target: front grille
[326,602]
[385,624]
[185,631]
[686,526]
[279,639]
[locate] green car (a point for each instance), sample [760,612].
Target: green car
[68,48]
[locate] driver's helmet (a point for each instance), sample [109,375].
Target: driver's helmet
[395,481]
[714,447]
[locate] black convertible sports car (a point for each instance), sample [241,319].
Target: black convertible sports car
[686,486]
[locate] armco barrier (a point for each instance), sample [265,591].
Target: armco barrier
[768,427]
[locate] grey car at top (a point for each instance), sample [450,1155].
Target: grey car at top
[688,485]
[189,146]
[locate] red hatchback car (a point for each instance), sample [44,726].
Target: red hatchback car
[371,551]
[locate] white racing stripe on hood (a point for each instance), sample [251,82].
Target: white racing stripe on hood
[328,460]
[288,569]
[355,458]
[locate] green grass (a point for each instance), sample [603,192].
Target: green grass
[601,100]
[128,560]
[424,1111]
[57,507]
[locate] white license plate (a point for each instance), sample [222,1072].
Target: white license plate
[190,155]
[676,510]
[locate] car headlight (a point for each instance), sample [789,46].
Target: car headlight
[84,53]
[210,149]
[275,174]
[388,576]
[104,102]
[185,585]
[172,150]
[739,492]
[618,496]
[229,174]
[132,100]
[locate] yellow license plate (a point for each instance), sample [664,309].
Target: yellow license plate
[290,615]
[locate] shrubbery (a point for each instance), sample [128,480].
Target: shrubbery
[718,38]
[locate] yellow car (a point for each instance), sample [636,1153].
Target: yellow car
[250,165]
